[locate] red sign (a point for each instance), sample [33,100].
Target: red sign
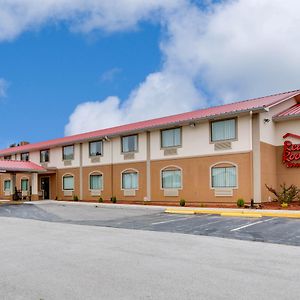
[291,152]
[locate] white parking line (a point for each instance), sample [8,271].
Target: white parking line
[169,221]
[252,224]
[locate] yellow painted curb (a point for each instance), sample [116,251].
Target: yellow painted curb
[254,214]
[180,212]
[237,214]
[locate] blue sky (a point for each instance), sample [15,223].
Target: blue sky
[51,71]
[71,66]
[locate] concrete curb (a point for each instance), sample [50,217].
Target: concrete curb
[235,213]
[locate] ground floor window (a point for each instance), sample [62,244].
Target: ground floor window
[7,185]
[24,184]
[96,182]
[171,178]
[224,177]
[68,183]
[130,180]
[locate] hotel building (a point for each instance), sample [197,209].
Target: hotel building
[212,155]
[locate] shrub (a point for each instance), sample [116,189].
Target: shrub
[240,202]
[75,198]
[100,200]
[182,202]
[113,199]
[285,194]
[284,205]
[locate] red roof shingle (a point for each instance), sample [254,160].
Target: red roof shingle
[293,111]
[207,113]
[20,166]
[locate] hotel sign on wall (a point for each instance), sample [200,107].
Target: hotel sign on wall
[291,152]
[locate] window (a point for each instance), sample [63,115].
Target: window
[96,182]
[223,177]
[130,180]
[24,184]
[68,152]
[8,157]
[95,148]
[44,156]
[129,143]
[25,156]
[223,130]
[68,183]
[7,185]
[171,138]
[171,179]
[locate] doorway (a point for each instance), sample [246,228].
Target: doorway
[45,187]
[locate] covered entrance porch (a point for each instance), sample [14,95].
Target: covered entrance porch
[23,174]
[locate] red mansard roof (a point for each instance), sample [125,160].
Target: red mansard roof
[207,113]
[20,166]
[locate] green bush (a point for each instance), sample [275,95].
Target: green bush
[182,202]
[113,199]
[240,202]
[75,198]
[100,200]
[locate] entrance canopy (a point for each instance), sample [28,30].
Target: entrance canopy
[15,166]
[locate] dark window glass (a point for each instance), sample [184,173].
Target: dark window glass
[25,156]
[129,143]
[44,156]
[68,152]
[96,148]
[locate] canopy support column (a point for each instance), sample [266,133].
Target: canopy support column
[34,187]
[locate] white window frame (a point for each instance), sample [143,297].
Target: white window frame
[137,144]
[48,150]
[224,140]
[68,175]
[63,155]
[130,170]
[229,164]
[28,185]
[171,168]
[96,155]
[174,146]
[4,185]
[96,173]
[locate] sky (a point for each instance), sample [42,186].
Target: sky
[71,66]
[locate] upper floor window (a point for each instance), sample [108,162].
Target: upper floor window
[7,185]
[96,181]
[68,152]
[8,157]
[44,156]
[130,180]
[95,148]
[171,178]
[24,185]
[223,130]
[223,177]
[130,143]
[25,156]
[68,182]
[171,138]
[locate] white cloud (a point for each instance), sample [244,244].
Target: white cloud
[230,50]
[110,75]
[3,87]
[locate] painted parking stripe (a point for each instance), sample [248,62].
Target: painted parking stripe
[252,224]
[169,221]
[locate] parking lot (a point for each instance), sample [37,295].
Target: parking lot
[268,229]
[55,250]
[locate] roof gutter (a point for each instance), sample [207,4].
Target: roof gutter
[149,128]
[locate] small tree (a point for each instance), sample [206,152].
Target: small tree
[285,194]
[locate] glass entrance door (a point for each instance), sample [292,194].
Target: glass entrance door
[45,187]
